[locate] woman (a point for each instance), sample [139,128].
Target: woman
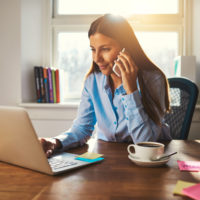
[127,108]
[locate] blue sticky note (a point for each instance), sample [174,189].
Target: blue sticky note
[89,160]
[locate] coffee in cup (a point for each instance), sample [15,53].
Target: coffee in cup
[146,150]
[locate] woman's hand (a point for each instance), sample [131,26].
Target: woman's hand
[128,70]
[50,145]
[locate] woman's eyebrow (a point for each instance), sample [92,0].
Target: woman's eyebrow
[102,46]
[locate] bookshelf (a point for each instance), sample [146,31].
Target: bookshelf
[70,104]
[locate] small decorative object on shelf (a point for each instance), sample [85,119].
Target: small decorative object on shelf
[47,84]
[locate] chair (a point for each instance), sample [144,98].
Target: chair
[183,94]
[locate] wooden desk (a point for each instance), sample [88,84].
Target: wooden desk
[116,178]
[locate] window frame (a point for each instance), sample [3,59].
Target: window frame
[179,23]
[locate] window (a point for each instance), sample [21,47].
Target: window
[85,7]
[74,59]
[158,24]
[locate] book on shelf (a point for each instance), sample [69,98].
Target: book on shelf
[54,85]
[37,83]
[57,86]
[42,84]
[50,86]
[47,84]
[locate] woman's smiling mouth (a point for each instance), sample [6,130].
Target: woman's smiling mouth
[102,67]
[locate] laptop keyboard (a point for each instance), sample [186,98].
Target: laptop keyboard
[56,163]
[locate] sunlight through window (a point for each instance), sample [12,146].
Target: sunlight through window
[122,7]
[158,25]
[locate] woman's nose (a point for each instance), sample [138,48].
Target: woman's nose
[97,57]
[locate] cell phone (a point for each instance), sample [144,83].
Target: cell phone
[116,68]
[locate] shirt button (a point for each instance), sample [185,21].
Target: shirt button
[115,122]
[122,98]
[126,118]
[125,106]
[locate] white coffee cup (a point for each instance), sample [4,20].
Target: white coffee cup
[146,150]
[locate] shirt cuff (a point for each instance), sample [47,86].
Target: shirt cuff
[67,140]
[133,107]
[132,100]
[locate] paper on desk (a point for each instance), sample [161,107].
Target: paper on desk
[189,165]
[192,191]
[90,155]
[180,185]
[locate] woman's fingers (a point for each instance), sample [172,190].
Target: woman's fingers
[129,72]
[49,153]
[127,61]
[48,145]
[126,64]
[123,62]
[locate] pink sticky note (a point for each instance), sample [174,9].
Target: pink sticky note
[192,191]
[193,166]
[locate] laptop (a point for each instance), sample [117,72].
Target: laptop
[19,145]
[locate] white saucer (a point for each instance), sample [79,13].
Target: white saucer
[148,163]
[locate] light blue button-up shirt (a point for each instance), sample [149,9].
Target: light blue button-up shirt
[119,117]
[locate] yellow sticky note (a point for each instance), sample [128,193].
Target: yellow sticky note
[90,155]
[180,185]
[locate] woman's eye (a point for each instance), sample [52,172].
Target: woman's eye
[106,49]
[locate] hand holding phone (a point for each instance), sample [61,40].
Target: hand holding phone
[116,68]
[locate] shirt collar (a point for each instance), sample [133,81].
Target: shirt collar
[106,83]
[120,89]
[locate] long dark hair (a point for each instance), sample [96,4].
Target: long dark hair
[118,28]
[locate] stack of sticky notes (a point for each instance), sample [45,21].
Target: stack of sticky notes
[90,157]
[192,166]
[189,189]
[192,191]
[180,185]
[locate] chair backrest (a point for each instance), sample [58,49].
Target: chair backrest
[183,94]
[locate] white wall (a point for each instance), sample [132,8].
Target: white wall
[21,47]
[196,38]
[10,52]
[31,44]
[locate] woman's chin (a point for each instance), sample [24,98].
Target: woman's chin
[105,72]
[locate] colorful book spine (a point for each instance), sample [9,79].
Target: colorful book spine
[46,85]
[37,84]
[51,100]
[57,86]
[54,85]
[42,84]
